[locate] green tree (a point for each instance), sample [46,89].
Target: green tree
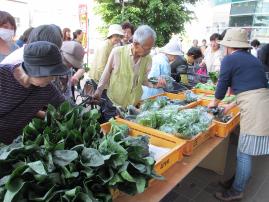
[165,16]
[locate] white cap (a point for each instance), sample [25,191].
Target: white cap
[114,29]
[172,48]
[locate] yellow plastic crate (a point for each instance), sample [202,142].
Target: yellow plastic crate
[201,91]
[224,129]
[190,145]
[172,96]
[166,161]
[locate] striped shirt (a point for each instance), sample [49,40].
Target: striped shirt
[19,105]
[253,145]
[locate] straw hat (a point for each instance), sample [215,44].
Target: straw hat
[236,38]
[172,48]
[114,29]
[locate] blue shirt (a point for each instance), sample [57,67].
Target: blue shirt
[160,66]
[242,72]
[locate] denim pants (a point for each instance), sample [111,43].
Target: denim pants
[243,171]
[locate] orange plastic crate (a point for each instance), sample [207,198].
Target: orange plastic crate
[190,144]
[172,96]
[166,161]
[224,129]
[201,91]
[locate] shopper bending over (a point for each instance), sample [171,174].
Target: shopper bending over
[245,74]
[126,71]
[26,88]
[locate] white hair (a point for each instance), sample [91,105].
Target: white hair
[142,33]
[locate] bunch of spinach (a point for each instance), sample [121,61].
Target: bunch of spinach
[65,157]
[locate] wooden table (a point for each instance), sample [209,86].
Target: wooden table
[174,175]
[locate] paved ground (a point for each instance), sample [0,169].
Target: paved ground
[201,184]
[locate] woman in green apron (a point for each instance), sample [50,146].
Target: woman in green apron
[245,75]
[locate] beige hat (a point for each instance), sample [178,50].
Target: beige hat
[172,48]
[114,29]
[73,52]
[236,38]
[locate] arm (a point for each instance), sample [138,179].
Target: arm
[225,78]
[224,82]
[75,78]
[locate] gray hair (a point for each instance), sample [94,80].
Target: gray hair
[142,33]
[51,33]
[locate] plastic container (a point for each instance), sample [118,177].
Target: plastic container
[224,129]
[173,96]
[190,145]
[167,160]
[201,91]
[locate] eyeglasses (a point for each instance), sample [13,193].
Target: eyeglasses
[146,49]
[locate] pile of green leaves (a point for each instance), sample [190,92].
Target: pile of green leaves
[184,123]
[66,158]
[214,76]
[206,86]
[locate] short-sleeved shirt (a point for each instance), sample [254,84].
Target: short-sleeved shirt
[19,104]
[213,59]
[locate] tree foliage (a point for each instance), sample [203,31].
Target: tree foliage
[165,16]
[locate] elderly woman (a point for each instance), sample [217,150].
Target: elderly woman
[126,71]
[115,33]
[161,66]
[245,75]
[7,32]
[26,88]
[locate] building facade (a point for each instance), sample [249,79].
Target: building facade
[252,15]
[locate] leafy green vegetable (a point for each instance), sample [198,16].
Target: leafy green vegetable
[206,86]
[214,76]
[65,157]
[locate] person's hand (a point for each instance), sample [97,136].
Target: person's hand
[74,80]
[228,107]
[213,103]
[96,96]
[161,83]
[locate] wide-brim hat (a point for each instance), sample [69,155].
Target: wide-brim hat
[42,59]
[172,48]
[114,29]
[235,38]
[74,53]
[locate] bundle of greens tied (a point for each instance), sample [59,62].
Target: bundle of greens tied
[65,157]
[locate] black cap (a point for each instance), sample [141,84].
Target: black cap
[42,59]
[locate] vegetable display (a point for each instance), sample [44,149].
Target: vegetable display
[185,123]
[205,86]
[66,158]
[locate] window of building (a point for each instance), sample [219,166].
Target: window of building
[241,21]
[243,8]
[261,21]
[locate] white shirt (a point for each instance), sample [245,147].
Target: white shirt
[213,59]
[15,57]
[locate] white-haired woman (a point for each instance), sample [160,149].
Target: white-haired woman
[126,71]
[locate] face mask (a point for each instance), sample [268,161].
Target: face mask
[6,34]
